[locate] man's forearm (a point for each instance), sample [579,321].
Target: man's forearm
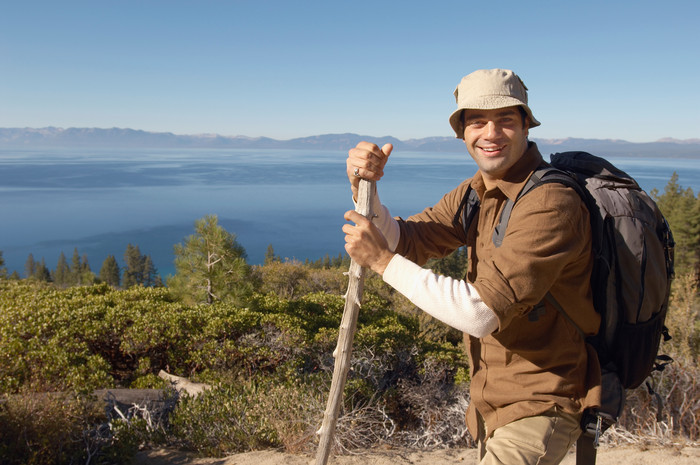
[452,301]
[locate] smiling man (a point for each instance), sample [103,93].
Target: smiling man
[532,374]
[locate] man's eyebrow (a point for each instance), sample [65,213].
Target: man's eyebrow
[508,112]
[500,114]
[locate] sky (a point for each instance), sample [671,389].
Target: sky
[609,69]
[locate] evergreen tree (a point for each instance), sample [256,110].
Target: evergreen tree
[150,274]
[270,256]
[109,273]
[139,269]
[30,267]
[62,275]
[453,266]
[75,268]
[41,272]
[133,268]
[84,264]
[341,261]
[211,266]
[682,211]
[87,276]
[3,270]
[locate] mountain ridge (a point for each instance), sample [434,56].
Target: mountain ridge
[135,138]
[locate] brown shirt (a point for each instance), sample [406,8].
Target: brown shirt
[536,359]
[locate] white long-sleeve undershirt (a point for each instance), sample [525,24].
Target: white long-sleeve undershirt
[454,302]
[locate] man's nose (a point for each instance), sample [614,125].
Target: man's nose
[492,129]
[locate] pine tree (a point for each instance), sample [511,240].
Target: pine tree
[41,272]
[75,269]
[139,269]
[453,265]
[30,267]
[694,230]
[62,275]
[682,211]
[210,266]
[270,256]
[87,276]
[133,268]
[3,270]
[109,273]
[84,264]
[149,272]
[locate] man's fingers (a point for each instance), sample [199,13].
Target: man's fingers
[368,160]
[352,215]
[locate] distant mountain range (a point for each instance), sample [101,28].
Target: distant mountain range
[132,138]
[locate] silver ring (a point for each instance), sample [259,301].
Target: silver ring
[357,172]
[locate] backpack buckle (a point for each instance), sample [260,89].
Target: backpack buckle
[595,424]
[598,426]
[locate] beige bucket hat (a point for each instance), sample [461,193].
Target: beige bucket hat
[489,89]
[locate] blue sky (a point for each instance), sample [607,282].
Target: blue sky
[283,69]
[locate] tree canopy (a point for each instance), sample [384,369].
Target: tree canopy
[210,266]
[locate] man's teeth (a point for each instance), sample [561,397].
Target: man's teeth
[494,149]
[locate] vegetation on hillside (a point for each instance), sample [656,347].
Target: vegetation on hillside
[263,338]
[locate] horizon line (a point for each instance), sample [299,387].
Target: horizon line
[241,136]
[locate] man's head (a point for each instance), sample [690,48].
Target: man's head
[494,120]
[490,89]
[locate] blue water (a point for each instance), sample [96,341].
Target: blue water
[99,200]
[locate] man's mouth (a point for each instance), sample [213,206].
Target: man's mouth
[492,149]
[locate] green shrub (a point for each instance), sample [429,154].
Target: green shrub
[81,339]
[222,421]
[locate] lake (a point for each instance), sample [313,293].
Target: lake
[100,200]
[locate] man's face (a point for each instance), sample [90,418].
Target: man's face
[496,139]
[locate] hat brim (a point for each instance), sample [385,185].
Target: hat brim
[488,103]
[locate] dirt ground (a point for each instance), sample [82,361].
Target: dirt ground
[627,455]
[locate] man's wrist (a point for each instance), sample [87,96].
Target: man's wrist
[379,266]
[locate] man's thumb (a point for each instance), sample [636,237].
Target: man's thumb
[387,148]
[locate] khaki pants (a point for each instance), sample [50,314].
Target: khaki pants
[541,440]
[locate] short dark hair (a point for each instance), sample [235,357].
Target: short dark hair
[523,115]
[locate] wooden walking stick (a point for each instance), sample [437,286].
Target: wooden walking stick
[348,325]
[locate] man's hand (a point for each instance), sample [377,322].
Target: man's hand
[365,243]
[367,160]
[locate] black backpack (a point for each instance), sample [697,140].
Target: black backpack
[631,278]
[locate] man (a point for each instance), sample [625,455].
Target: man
[532,374]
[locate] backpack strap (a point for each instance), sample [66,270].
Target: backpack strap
[468,209]
[587,442]
[543,175]
[585,450]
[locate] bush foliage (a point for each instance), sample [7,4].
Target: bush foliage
[266,351]
[273,355]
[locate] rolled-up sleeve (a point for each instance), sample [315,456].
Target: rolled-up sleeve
[433,232]
[547,239]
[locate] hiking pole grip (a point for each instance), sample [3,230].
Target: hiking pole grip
[348,325]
